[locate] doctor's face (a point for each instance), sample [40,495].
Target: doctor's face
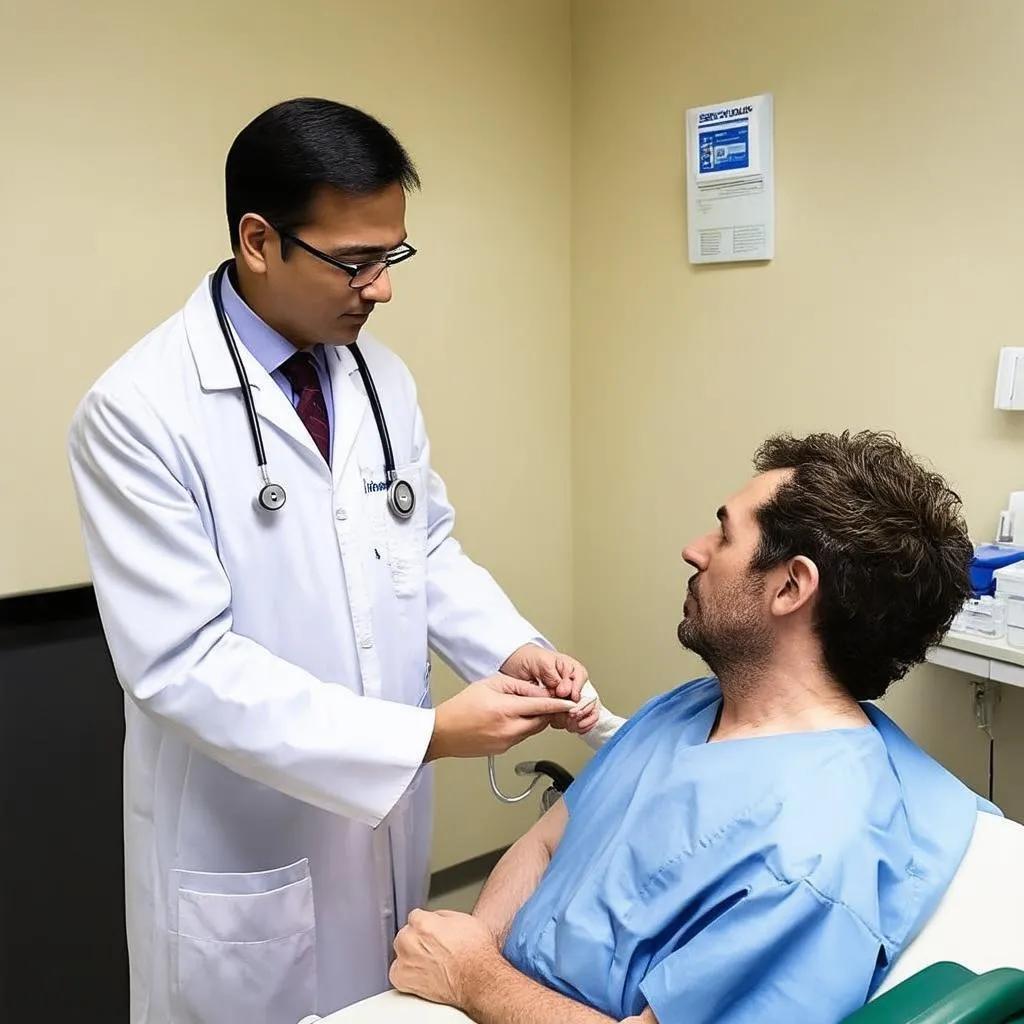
[726,611]
[304,297]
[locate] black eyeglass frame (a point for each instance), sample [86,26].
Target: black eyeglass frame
[390,259]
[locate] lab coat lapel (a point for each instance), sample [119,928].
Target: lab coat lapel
[350,406]
[274,407]
[217,372]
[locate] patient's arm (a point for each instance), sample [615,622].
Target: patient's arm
[496,993]
[453,959]
[517,874]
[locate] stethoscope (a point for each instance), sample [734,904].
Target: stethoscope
[401,497]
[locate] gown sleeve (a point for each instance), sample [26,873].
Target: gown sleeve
[782,953]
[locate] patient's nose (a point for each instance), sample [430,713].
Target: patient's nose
[695,554]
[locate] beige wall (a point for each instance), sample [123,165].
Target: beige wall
[891,293]
[896,280]
[116,120]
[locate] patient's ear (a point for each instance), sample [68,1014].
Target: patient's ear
[796,588]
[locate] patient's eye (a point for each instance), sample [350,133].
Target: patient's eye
[723,524]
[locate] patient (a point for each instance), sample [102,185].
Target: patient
[759,845]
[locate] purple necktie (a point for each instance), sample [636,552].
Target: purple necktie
[300,371]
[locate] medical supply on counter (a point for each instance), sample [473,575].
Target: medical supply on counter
[983,616]
[1004,531]
[1011,521]
[1010,592]
[988,558]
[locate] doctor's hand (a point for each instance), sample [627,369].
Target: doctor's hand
[491,716]
[437,955]
[563,675]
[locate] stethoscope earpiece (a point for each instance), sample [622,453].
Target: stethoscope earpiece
[401,497]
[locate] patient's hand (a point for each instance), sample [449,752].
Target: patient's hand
[437,952]
[580,724]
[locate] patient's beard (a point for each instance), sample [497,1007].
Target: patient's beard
[729,633]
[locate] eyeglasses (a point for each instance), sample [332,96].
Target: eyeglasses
[361,274]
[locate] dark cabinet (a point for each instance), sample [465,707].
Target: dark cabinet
[62,935]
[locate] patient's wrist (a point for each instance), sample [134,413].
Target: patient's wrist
[476,975]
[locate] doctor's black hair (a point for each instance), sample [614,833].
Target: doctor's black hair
[890,543]
[279,161]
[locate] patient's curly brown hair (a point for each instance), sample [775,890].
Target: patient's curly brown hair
[889,540]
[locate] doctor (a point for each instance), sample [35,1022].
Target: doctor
[269,579]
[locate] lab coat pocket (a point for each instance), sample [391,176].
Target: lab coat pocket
[246,946]
[407,538]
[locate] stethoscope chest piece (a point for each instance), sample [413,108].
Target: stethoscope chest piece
[272,497]
[401,499]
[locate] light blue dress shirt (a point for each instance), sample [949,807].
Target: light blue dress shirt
[271,350]
[752,881]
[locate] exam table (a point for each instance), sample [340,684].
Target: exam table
[954,972]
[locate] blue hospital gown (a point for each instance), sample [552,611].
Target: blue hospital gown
[771,879]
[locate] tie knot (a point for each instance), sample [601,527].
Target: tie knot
[300,371]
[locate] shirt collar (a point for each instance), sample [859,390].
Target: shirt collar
[269,348]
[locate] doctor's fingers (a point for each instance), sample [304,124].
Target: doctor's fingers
[562,675]
[519,687]
[525,688]
[566,677]
[518,729]
[572,668]
[565,686]
[535,707]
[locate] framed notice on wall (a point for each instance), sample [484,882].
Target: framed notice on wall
[730,188]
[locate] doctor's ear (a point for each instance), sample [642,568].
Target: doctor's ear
[254,236]
[797,587]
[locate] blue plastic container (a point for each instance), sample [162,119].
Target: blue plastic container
[988,558]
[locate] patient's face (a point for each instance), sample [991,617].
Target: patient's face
[726,616]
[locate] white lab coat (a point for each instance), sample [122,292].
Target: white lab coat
[275,666]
